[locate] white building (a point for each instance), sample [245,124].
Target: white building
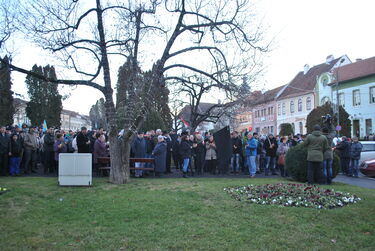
[354,87]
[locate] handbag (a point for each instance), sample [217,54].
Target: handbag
[281,160]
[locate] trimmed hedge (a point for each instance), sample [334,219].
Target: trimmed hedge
[296,163]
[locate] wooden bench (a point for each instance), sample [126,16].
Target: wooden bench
[106,162]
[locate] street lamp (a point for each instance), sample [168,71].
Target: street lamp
[337,92]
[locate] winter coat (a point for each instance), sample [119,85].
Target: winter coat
[16,148]
[160,155]
[270,151]
[344,148]
[282,149]
[210,151]
[58,150]
[316,145]
[100,150]
[139,148]
[200,149]
[355,150]
[82,145]
[328,154]
[185,149]
[149,145]
[238,143]
[251,148]
[30,142]
[49,141]
[4,143]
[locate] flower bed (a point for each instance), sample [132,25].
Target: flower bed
[292,195]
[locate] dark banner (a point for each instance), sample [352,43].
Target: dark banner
[223,149]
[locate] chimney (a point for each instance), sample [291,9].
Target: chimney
[306,69]
[358,59]
[329,59]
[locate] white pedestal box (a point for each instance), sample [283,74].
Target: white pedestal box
[75,169]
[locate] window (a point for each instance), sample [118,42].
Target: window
[324,100]
[342,99]
[300,127]
[283,108]
[300,105]
[372,95]
[292,106]
[272,110]
[325,81]
[356,98]
[308,103]
[278,109]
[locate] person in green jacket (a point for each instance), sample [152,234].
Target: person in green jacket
[316,144]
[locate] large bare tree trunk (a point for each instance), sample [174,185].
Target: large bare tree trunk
[119,162]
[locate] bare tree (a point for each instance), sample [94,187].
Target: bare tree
[217,32]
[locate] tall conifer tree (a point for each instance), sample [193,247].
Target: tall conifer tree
[45,100]
[6,95]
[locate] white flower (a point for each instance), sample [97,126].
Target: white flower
[290,201]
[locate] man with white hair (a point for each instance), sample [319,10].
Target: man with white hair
[160,155]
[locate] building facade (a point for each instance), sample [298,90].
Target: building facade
[294,110]
[303,93]
[69,120]
[264,111]
[353,87]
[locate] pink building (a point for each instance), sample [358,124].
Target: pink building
[264,111]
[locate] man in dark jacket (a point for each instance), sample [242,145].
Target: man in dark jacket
[270,145]
[49,154]
[83,142]
[344,148]
[175,150]
[317,145]
[160,153]
[236,152]
[168,141]
[5,151]
[355,155]
[139,151]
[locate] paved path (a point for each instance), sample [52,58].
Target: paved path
[362,181]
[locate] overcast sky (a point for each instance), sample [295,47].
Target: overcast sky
[304,32]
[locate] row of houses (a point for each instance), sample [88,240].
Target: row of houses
[337,80]
[70,120]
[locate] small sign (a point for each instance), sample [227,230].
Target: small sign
[338,128]
[250,129]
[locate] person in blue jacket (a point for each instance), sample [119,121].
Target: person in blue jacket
[251,154]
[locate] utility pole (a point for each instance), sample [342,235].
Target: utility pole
[337,92]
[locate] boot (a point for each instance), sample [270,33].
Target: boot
[184,175]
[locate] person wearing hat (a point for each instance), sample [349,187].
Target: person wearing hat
[49,153]
[317,145]
[31,147]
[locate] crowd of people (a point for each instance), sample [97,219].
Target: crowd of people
[23,148]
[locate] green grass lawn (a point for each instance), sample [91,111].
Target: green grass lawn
[173,214]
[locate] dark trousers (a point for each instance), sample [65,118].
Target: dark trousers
[177,161]
[211,166]
[30,160]
[168,162]
[345,165]
[314,172]
[199,163]
[4,164]
[49,162]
